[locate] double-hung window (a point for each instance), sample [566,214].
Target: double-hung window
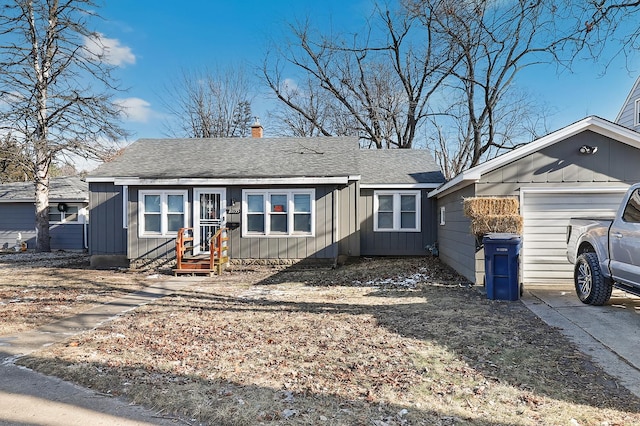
[161,213]
[397,211]
[278,212]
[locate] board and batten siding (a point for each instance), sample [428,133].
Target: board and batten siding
[396,243]
[320,246]
[456,244]
[14,218]
[107,235]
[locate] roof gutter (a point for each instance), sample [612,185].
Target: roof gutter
[135,181]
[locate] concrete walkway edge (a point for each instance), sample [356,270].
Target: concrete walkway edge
[604,356]
[28,397]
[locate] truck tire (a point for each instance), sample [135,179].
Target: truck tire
[591,286]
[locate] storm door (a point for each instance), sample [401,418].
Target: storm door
[209,216]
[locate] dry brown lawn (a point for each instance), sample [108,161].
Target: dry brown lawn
[36,289]
[377,342]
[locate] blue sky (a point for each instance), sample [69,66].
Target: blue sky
[152,41]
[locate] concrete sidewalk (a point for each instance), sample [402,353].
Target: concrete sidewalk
[27,397]
[610,334]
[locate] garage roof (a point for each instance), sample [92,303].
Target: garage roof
[592,123]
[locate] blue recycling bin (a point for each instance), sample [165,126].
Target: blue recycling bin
[501,265]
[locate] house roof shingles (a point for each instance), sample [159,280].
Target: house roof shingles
[270,158]
[69,188]
[398,166]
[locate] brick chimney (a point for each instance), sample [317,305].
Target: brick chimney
[256,129]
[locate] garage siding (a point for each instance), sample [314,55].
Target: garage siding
[546,216]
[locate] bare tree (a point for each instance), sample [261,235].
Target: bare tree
[382,81]
[55,89]
[313,106]
[209,104]
[14,163]
[492,41]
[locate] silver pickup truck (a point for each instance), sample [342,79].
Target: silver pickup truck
[606,251]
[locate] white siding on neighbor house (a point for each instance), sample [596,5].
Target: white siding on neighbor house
[546,215]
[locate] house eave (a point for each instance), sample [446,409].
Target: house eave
[399,185]
[135,181]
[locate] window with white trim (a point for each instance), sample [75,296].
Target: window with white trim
[636,119]
[397,211]
[161,213]
[65,214]
[443,215]
[278,212]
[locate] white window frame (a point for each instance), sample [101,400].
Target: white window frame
[81,216]
[636,113]
[266,193]
[397,211]
[443,215]
[164,222]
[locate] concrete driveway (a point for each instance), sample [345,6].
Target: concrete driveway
[610,334]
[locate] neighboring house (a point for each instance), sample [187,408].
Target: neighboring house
[580,170]
[281,199]
[68,209]
[629,115]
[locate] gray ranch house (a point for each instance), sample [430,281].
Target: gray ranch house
[68,214]
[281,199]
[580,170]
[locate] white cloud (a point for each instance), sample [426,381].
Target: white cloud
[110,50]
[135,109]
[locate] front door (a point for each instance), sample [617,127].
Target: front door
[209,216]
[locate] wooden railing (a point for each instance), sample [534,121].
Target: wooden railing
[215,262]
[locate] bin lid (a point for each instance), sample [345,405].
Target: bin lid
[501,236]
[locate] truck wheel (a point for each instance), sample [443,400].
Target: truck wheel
[591,286]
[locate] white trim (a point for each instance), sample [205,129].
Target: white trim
[196,212]
[133,181]
[290,212]
[163,211]
[636,112]
[51,200]
[125,207]
[592,123]
[399,185]
[397,211]
[568,190]
[443,215]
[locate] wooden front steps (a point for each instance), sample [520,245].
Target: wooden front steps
[211,263]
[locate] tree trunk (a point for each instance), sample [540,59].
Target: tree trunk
[43,243]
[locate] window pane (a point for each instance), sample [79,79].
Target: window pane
[175,222]
[279,223]
[302,203]
[256,203]
[632,210]
[175,203]
[255,223]
[279,203]
[71,215]
[54,214]
[152,203]
[385,203]
[407,220]
[152,223]
[408,203]
[302,223]
[385,220]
